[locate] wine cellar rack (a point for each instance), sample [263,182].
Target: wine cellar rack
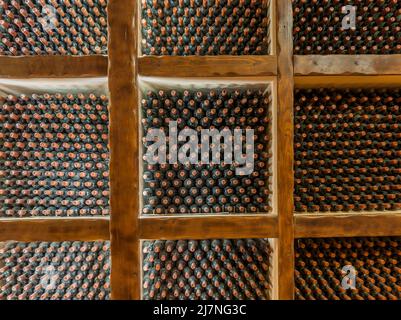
[291,238]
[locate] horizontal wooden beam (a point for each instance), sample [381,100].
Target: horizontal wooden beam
[207,66]
[208,227]
[347,225]
[308,82]
[347,65]
[53,66]
[54,229]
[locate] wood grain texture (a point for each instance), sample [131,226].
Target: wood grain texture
[385,81]
[124,198]
[54,229]
[207,66]
[347,225]
[347,64]
[53,66]
[285,150]
[273,29]
[208,227]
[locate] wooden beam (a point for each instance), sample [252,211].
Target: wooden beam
[273,29]
[347,225]
[348,64]
[207,66]
[309,82]
[208,227]
[124,160]
[53,66]
[54,229]
[285,151]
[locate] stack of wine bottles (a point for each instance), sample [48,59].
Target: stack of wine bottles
[205,27]
[347,150]
[207,270]
[318,27]
[53,27]
[54,271]
[348,269]
[178,186]
[54,155]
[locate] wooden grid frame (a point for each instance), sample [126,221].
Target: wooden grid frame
[352,224]
[126,227]
[164,83]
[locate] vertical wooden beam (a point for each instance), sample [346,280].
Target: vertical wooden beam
[125,275]
[2,279]
[285,149]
